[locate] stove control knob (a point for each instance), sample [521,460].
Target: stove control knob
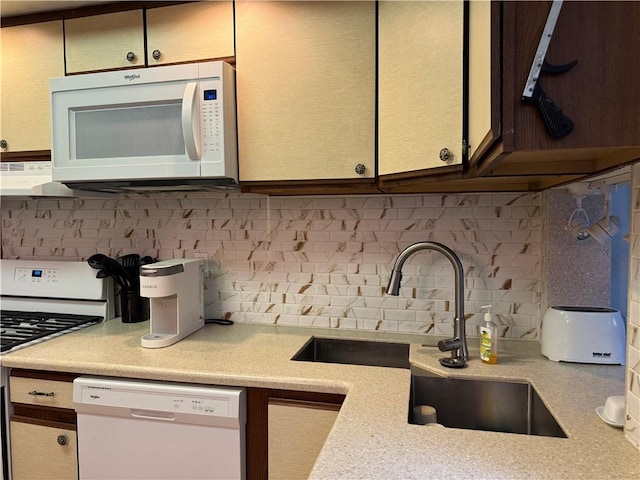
[62,439]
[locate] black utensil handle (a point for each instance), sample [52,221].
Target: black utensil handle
[558,125]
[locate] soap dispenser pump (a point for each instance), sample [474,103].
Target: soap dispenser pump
[488,338]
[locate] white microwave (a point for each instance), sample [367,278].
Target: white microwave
[162,128]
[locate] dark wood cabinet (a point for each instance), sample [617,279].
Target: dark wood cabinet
[600,94]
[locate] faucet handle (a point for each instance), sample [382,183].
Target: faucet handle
[456,360]
[449,344]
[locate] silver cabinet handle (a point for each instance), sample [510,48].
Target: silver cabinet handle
[360,169]
[156,54]
[131,57]
[62,440]
[3,143]
[36,393]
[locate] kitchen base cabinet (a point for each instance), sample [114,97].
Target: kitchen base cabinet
[43,426]
[286,430]
[297,432]
[45,452]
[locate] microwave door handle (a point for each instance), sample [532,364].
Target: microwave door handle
[189,114]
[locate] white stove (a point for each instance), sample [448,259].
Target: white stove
[20,329]
[40,300]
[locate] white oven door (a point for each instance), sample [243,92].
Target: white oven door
[126,132]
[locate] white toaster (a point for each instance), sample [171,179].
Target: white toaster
[584,335]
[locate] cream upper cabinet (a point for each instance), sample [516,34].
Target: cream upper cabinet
[189,32]
[31,54]
[174,34]
[305,74]
[420,85]
[480,119]
[102,42]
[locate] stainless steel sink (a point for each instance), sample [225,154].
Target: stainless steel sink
[498,406]
[354,352]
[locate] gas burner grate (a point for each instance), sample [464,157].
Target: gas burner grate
[18,328]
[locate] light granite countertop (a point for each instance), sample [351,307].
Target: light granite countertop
[371,438]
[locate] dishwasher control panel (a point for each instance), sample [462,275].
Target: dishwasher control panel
[147,399]
[206,406]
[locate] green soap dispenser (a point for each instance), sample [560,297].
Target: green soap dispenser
[488,338]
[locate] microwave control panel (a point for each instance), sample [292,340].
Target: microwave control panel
[212,118]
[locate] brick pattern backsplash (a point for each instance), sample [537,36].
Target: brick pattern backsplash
[632,423]
[325,261]
[313,261]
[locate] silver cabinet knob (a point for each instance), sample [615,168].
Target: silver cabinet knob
[62,440]
[131,57]
[360,169]
[3,144]
[445,155]
[156,54]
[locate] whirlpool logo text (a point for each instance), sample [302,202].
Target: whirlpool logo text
[132,76]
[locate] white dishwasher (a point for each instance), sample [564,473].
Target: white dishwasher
[129,429]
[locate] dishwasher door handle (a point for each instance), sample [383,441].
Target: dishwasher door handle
[152,414]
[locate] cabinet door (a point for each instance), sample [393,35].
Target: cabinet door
[484,75]
[306,86]
[104,42]
[189,32]
[420,84]
[599,94]
[43,452]
[297,432]
[31,54]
